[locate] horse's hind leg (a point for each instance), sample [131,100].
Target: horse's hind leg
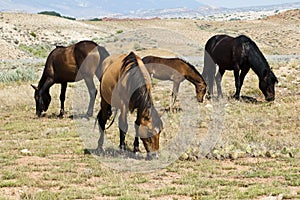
[123,127]
[218,82]
[92,92]
[102,118]
[174,93]
[62,98]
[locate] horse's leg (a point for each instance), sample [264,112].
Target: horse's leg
[92,92]
[242,76]
[62,98]
[237,83]
[175,92]
[123,127]
[136,144]
[102,117]
[218,82]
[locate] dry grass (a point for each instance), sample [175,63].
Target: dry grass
[256,155]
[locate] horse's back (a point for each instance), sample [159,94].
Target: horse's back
[116,79]
[166,68]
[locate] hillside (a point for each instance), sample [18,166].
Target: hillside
[21,33]
[247,149]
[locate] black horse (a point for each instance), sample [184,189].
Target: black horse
[238,54]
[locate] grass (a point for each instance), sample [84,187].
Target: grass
[257,155]
[40,51]
[19,74]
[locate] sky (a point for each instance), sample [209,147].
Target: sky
[244,3]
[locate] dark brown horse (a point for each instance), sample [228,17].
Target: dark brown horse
[79,61]
[238,54]
[176,70]
[126,85]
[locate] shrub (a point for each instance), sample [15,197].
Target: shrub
[19,74]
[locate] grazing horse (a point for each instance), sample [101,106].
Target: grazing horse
[69,64]
[176,70]
[237,54]
[126,85]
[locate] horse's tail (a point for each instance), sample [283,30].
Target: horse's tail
[103,53]
[209,69]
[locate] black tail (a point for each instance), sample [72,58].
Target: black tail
[209,69]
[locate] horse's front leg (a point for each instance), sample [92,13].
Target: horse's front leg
[62,98]
[242,76]
[136,144]
[123,127]
[237,83]
[93,93]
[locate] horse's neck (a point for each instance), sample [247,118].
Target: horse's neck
[258,63]
[42,80]
[192,76]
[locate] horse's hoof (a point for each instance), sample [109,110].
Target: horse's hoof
[122,148]
[89,115]
[236,97]
[136,150]
[152,156]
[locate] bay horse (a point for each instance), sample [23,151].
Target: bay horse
[176,70]
[238,54]
[126,86]
[79,61]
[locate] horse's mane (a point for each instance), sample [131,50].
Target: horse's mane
[251,45]
[129,62]
[140,98]
[255,57]
[190,65]
[59,46]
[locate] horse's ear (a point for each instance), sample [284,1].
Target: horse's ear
[34,87]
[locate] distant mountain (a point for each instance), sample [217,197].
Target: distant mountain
[95,8]
[127,8]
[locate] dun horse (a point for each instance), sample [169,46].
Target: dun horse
[238,54]
[126,85]
[69,64]
[176,70]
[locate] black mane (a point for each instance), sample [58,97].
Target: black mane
[255,58]
[129,62]
[140,98]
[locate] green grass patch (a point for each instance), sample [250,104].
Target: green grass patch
[17,75]
[39,51]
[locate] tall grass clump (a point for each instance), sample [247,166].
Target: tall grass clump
[19,74]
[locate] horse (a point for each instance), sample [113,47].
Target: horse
[79,61]
[176,70]
[126,86]
[238,54]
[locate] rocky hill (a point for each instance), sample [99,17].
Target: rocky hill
[24,36]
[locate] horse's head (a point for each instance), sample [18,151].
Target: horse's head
[200,91]
[267,85]
[148,128]
[41,102]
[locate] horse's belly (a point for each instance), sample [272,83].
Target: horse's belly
[67,74]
